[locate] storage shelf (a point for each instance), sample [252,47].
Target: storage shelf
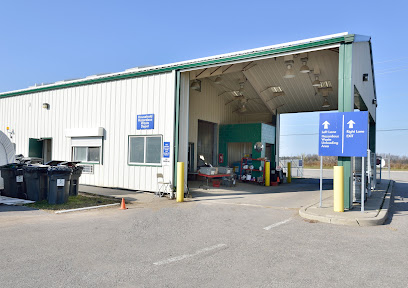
[245,161]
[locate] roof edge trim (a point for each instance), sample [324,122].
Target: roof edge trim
[162,69]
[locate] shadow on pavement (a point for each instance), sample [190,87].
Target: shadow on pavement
[297,185]
[398,204]
[7,208]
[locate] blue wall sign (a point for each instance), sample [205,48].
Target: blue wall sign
[166,150]
[343,134]
[145,122]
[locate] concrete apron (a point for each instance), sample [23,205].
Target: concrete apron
[285,196]
[375,209]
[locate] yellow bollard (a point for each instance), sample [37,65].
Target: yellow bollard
[267,173]
[338,188]
[180,181]
[289,172]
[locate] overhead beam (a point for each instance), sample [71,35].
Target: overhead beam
[255,84]
[219,70]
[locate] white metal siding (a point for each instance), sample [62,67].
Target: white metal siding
[111,105]
[362,65]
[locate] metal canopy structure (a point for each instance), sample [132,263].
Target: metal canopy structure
[341,65]
[262,76]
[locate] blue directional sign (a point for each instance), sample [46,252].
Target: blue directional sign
[343,134]
[145,122]
[166,150]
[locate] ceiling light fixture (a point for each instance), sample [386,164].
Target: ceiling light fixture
[316,82]
[326,103]
[196,85]
[289,72]
[218,80]
[288,59]
[316,72]
[304,68]
[243,109]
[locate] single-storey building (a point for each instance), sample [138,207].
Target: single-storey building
[127,127]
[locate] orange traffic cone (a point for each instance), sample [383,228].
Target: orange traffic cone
[123,206]
[277,179]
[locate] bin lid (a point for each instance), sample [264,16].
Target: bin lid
[54,162]
[59,170]
[71,163]
[12,166]
[36,168]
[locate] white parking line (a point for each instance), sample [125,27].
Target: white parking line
[182,257]
[277,224]
[243,204]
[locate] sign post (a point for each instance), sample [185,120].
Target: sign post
[343,134]
[321,180]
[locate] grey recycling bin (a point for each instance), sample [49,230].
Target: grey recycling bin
[59,178]
[14,185]
[36,180]
[76,173]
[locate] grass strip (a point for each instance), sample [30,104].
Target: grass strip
[79,201]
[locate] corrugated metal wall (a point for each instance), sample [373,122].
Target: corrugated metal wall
[111,105]
[237,150]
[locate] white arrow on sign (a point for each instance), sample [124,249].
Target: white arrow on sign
[351,124]
[326,125]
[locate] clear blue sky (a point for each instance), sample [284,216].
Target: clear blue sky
[47,41]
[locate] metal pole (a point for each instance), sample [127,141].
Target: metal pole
[321,179]
[338,189]
[370,172]
[267,173]
[389,166]
[289,172]
[180,182]
[362,183]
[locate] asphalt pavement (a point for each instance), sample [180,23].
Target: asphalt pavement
[212,240]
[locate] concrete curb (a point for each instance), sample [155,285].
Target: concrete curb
[86,208]
[379,219]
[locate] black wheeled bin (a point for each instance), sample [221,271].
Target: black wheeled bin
[14,185]
[274,176]
[36,180]
[76,173]
[59,178]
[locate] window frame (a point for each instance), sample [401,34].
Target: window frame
[87,154]
[144,152]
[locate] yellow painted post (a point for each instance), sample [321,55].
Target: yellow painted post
[289,172]
[180,181]
[267,173]
[338,188]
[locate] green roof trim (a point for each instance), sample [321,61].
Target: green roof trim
[225,60]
